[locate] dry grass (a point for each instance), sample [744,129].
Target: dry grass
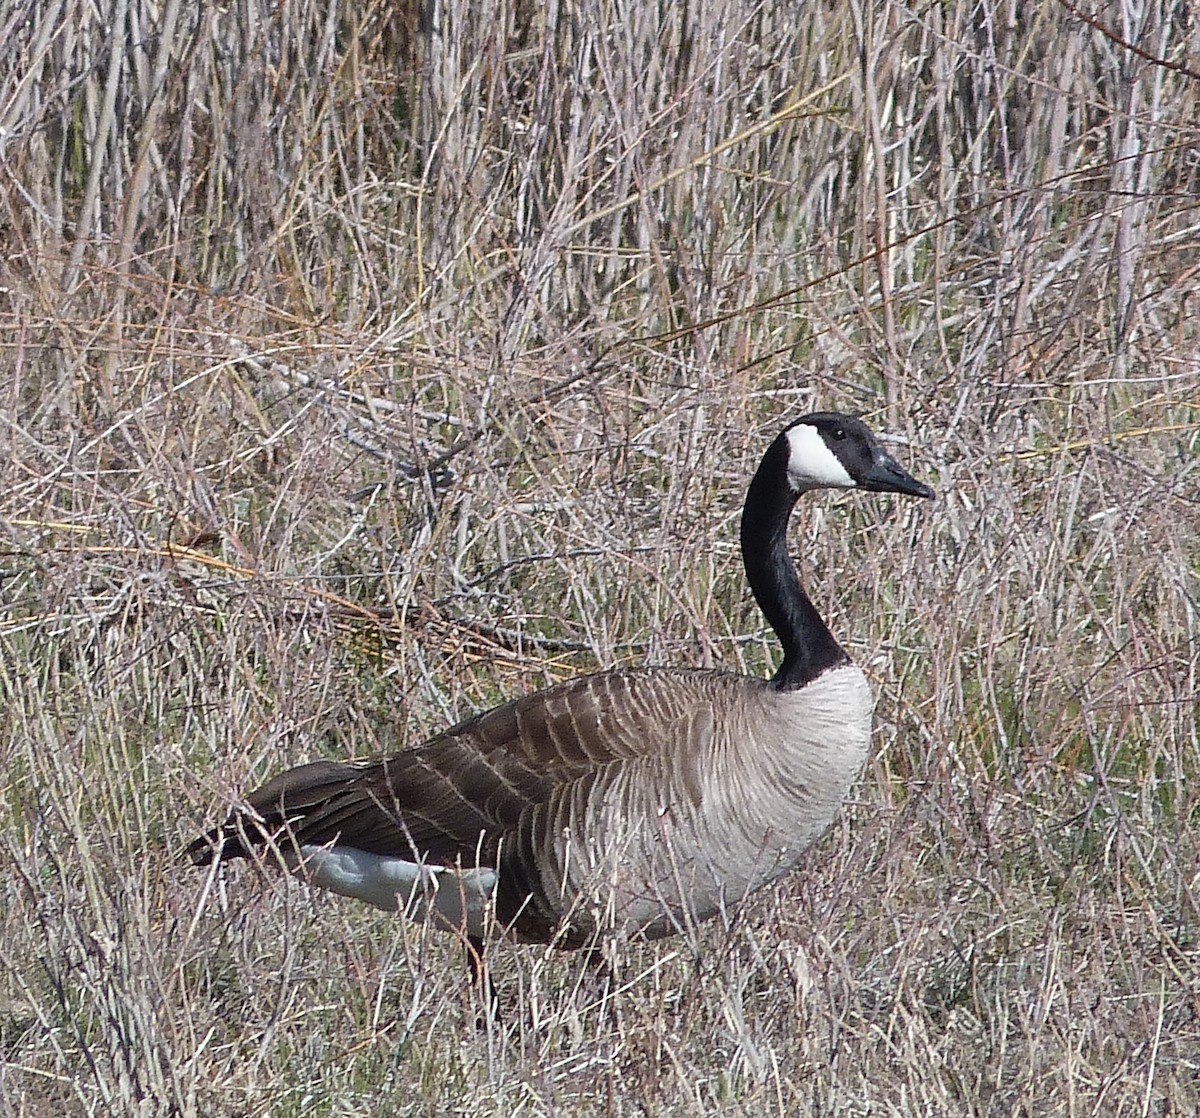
[361,368]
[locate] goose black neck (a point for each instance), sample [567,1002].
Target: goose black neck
[808,646]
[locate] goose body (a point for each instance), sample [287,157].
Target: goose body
[618,804]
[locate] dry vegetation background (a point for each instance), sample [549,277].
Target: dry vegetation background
[365,364]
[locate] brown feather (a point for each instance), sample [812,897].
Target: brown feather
[477,778]
[501,789]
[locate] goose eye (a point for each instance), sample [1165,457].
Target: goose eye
[839,433]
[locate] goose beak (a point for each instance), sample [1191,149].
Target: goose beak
[886,475]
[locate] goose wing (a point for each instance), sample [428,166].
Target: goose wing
[455,797]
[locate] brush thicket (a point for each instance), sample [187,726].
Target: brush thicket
[365,367]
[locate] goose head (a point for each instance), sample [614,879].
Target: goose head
[828,450]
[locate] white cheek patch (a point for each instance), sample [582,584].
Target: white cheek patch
[457,899]
[811,464]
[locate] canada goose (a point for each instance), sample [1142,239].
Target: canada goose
[617,804]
